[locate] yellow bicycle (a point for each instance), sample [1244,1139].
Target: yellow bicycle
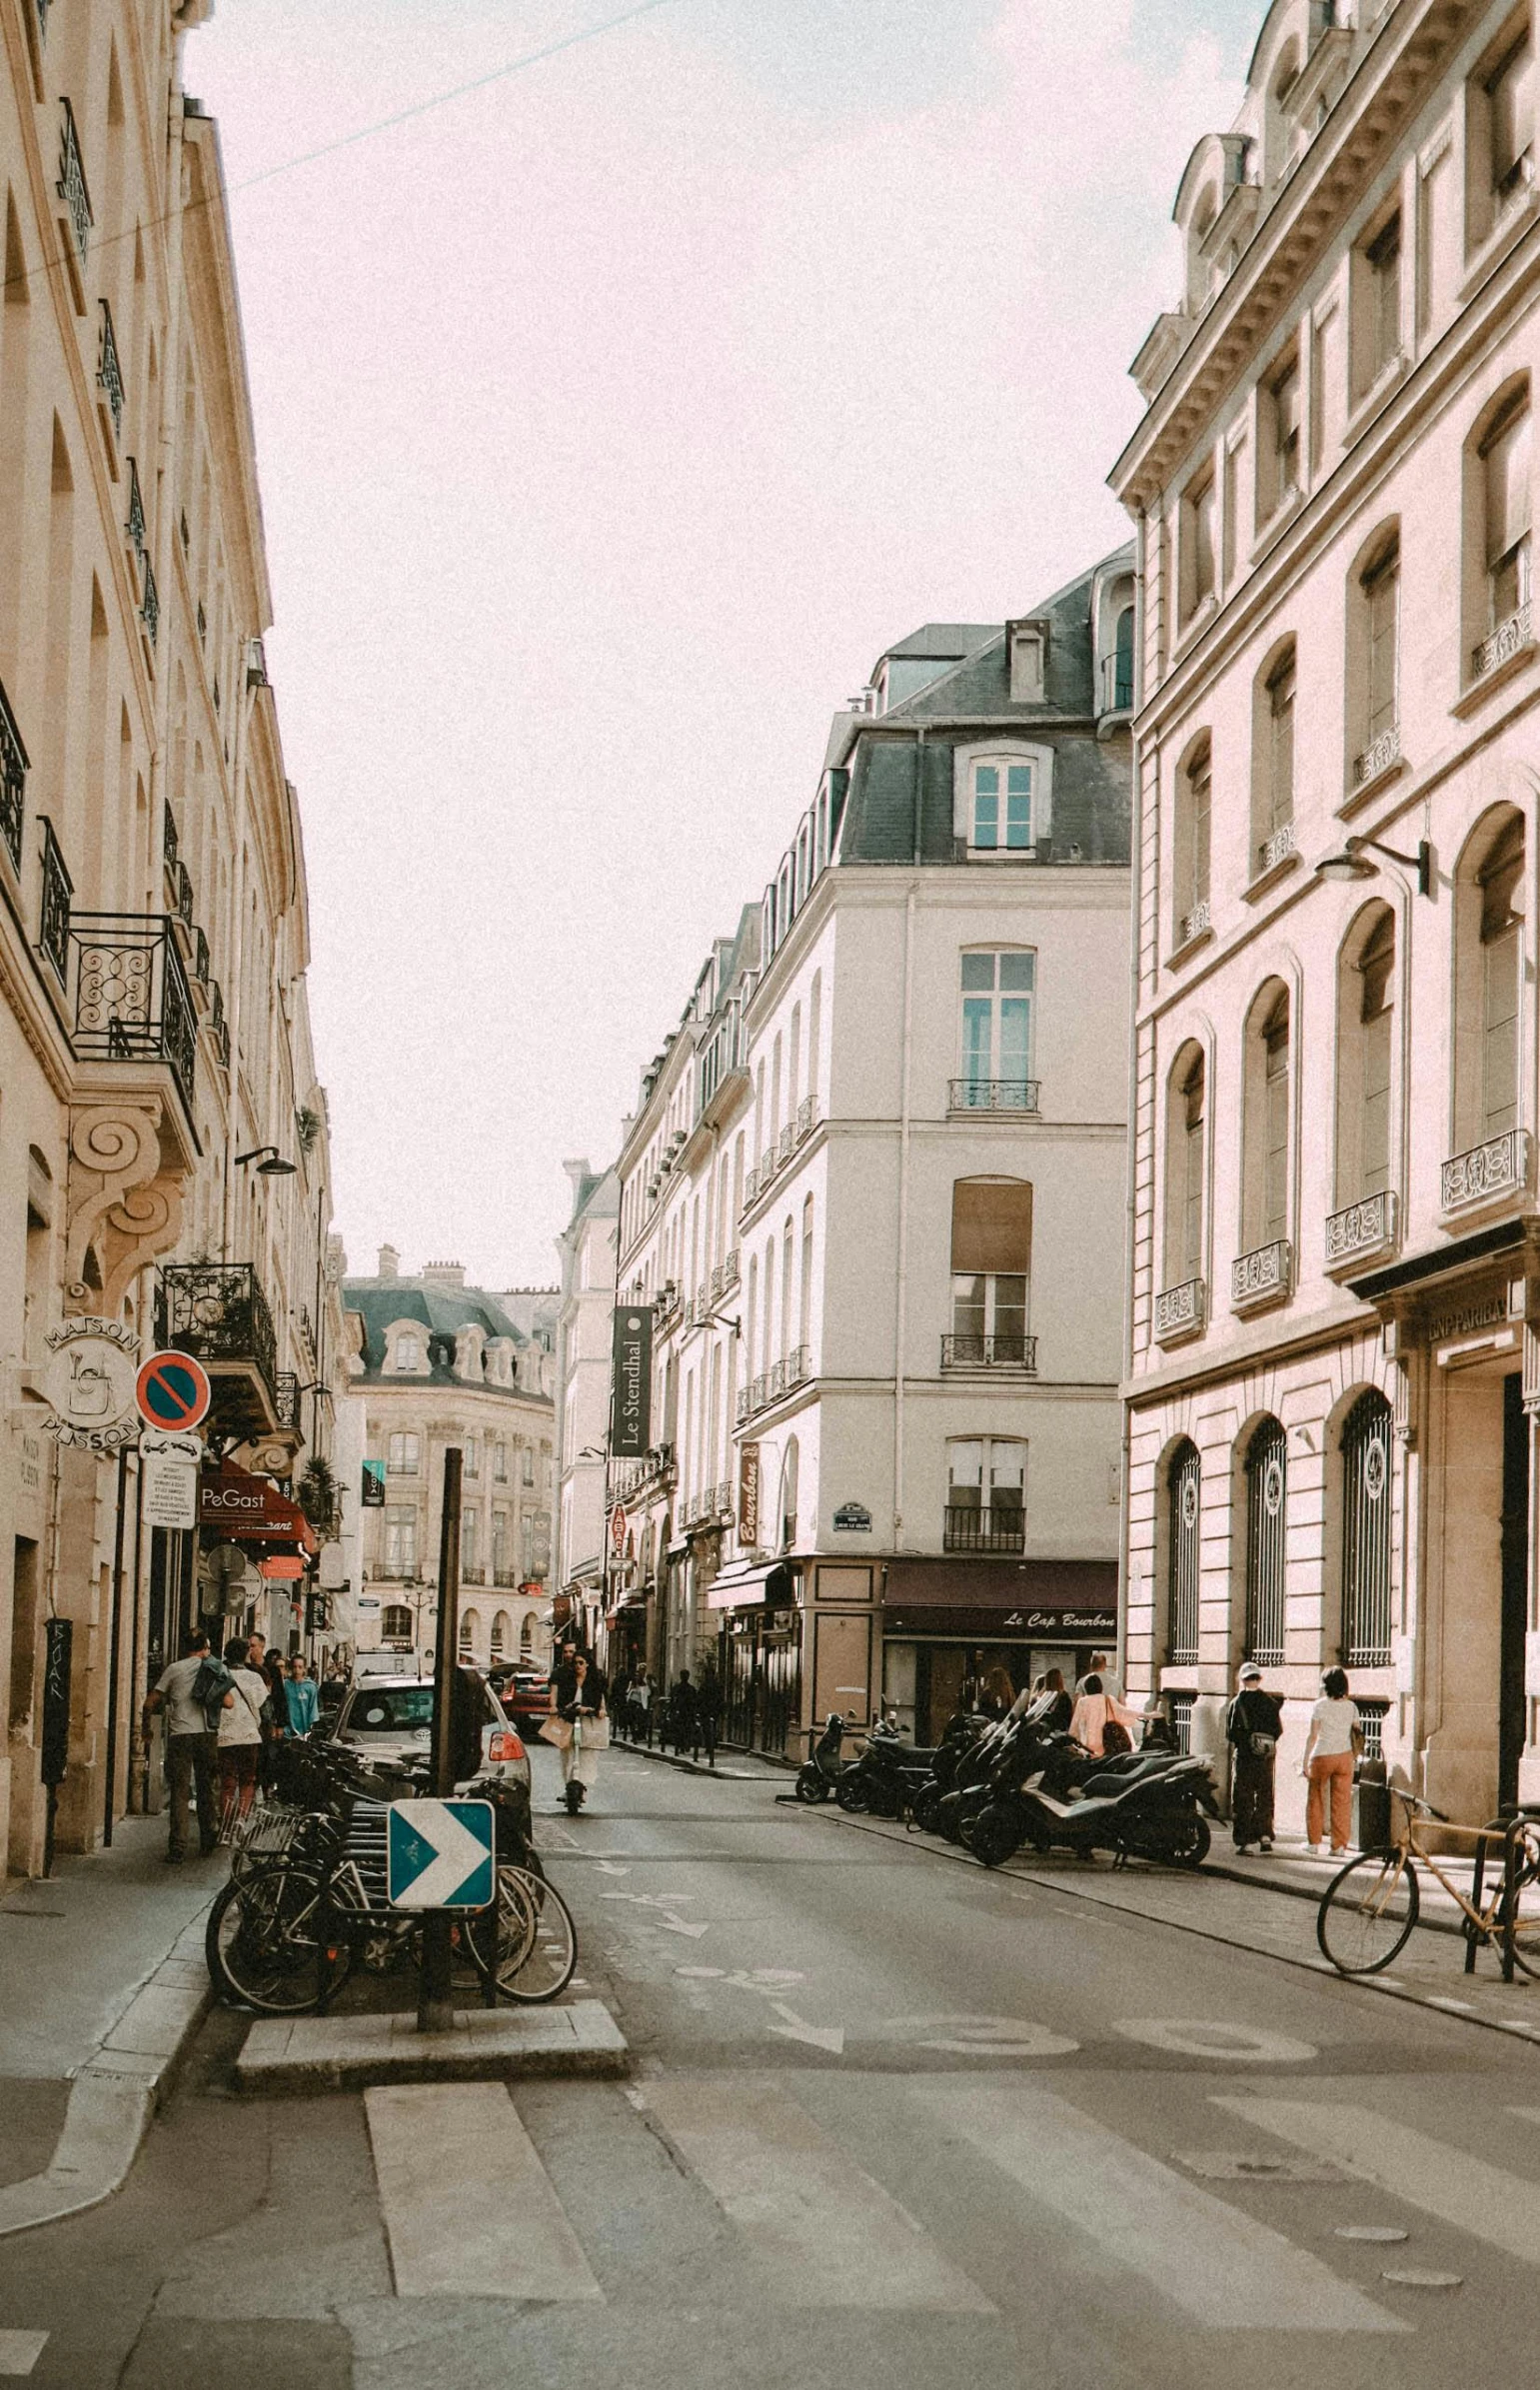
[1369,1907]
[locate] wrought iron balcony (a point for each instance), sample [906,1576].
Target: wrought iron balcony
[993,1095]
[131,997]
[1116,684]
[286,1393]
[741,1405]
[1509,638]
[798,1367]
[171,845]
[1502,1166]
[1180,1312]
[968,1530]
[788,1145]
[1197,923]
[71,185]
[134,528]
[1378,756]
[1276,849]
[218,1311]
[1011,1351]
[200,957]
[1361,1230]
[184,894]
[150,611]
[730,1269]
[1263,1275]
[13,781]
[53,932]
[109,373]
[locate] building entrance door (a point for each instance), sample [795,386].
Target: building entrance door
[1515,1590]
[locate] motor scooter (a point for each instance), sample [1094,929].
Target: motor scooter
[1149,1806]
[820,1771]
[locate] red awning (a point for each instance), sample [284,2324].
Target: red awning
[1025,1585]
[247,1509]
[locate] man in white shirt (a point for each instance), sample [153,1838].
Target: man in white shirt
[192,1746]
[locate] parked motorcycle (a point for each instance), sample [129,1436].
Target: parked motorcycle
[887,1777]
[1146,1805]
[818,1777]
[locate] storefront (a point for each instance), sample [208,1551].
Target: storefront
[948,1623]
[255,1556]
[759,1655]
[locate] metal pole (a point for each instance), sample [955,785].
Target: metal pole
[114,1655]
[436,1999]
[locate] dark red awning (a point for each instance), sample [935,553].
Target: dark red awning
[248,1510]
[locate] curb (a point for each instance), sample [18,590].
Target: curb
[115,2095]
[1231,1874]
[280,2058]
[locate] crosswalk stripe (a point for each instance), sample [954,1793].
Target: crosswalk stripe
[20,2351]
[827,2234]
[469,2209]
[1212,2259]
[1502,2209]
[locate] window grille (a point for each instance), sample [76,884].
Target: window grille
[1366,1533]
[1186,1484]
[1266,1508]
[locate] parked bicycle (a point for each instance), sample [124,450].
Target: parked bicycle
[1370,1906]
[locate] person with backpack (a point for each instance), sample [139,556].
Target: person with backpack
[240,1735]
[194,1691]
[1251,1728]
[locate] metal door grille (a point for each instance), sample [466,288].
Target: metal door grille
[1366,1533]
[1187,1485]
[1266,1508]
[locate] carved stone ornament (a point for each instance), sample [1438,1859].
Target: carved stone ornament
[122,1202]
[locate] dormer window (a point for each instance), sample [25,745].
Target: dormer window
[409,1353]
[1001,817]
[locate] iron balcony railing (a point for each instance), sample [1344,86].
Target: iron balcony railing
[1276,849]
[53,930]
[13,781]
[150,611]
[1116,684]
[109,372]
[1013,1351]
[743,1407]
[131,997]
[1179,1310]
[1502,1166]
[217,1312]
[1510,636]
[185,902]
[71,185]
[1197,923]
[200,957]
[1361,1229]
[1377,757]
[780,1149]
[286,1398]
[994,1094]
[135,526]
[969,1529]
[171,845]
[1263,1275]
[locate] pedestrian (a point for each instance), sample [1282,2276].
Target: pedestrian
[999,1694]
[1102,1666]
[619,1694]
[1334,1742]
[580,1730]
[709,1706]
[256,1647]
[1052,1708]
[301,1692]
[1094,1712]
[240,1736]
[638,1704]
[276,1724]
[1252,1728]
[685,1716]
[192,1741]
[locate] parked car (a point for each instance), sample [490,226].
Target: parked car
[387,1719]
[526,1695]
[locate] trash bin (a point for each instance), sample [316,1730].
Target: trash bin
[1371,1805]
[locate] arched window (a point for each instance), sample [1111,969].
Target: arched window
[991,1262]
[499,1643]
[469,1628]
[1374,667]
[527,1637]
[1265,1185]
[1194,798]
[1184,1487]
[1267,1507]
[1366,1533]
[1186,1164]
[1123,662]
[396,1622]
[1501,882]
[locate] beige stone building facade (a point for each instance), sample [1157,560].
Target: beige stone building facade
[155,1046]
[437,1363]
[1336,1254]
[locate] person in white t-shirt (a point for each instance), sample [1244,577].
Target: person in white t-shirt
[1333,1743]
[240,1734]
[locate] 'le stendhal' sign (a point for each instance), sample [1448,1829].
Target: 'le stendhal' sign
[631,1427]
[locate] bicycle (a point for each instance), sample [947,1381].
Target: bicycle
[1370,1906]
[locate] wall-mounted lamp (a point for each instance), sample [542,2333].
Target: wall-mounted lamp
[274,1167]
[1352,862]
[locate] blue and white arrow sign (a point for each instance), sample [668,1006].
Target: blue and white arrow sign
[439,1854]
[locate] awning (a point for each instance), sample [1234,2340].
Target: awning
[1047,1593]
[745,1583]
[248,1510]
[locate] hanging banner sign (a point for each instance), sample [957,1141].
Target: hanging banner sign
[617,1529]
[88,1383]
[372,1493]
[631,1389]
[748,1496]
[58,1635]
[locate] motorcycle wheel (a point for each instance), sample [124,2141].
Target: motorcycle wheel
[1184,1842]
[851,1796]
[993,1837]
[926,1810]
[810,1785]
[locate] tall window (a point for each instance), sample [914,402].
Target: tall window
[400,1542]
[992,1261]
[1266,1492]
[1199,524]
[405,1456]
[1366,1532]
[470,1539]
[1381,585]
[804,1318]
[1511,100]
[1123,662]
[473,1453]
[409,1353]
[469,1628]
[1377,968]
[528,1468]
[498,1643]
[1277,807]
[1382,262]
[501,1560]
[1185,1168]
[527,1637]
[998,991]
[1280,477]
[1265,1207]
[1194,799]
[986,1494]
[499,1462]
[1184,1488]
[1501,882]
[1001,820]
[1505,476]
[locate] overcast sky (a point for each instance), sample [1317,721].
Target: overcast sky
[612,420]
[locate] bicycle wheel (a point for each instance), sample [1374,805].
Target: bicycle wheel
[526,1941]
[263,1942]
[1526,1925]
[1367,1913]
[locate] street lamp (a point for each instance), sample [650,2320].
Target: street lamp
[274,1167]
[1350,863]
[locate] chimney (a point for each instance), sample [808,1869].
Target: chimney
[444,1273]
[390,1261]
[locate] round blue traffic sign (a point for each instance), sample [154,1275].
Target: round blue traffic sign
[173,1390]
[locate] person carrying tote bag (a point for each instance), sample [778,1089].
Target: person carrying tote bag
[586,1719]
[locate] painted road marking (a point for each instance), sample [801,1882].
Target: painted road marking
[1463,2191]
[825,2232]
[1147,2216]
[818,2038]
[978,2036]
[469,2209]
[20,2351]
[1196,2037]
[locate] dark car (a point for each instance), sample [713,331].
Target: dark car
[526,1695]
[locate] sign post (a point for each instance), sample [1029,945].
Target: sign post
[436,1999]
[441,1854]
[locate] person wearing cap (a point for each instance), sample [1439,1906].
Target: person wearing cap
[1253,1729]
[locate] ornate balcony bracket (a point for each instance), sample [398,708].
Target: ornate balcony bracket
[125,1204]
[1361,1231]
[1492,1172]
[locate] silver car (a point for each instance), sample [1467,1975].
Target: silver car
[387,1720]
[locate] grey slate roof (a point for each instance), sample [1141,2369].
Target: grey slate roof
[440,1310]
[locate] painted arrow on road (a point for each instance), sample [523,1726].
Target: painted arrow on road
[796,2029]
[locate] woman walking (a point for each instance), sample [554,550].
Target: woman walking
[588,1732]
[1100,1722]
[1253,1729]
[277,1724]
[240,1737]
[1335,1740]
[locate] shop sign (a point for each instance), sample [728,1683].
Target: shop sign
[372,1490]
[630,1424]
[88,1383]
[1103,1624]
[852,1518]
[1493,1311]
[748,1494]
[58,1635]
[617,1529]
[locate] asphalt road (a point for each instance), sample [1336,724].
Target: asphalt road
[893,2120]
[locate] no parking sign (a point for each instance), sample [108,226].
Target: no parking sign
[172,1390]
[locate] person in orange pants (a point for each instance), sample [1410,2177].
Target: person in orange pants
[1334,1742]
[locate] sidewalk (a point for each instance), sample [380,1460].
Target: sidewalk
[102,1986]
